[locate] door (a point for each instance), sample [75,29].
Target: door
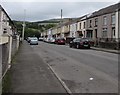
[113,33]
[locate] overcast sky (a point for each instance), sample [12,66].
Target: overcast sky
[38,10]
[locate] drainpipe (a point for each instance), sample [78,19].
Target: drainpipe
[10,49]
[18,40]
[119,27]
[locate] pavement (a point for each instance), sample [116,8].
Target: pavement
[29,74]
[106,50]
[103,49]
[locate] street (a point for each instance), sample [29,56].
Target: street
[59,47]
[82,70]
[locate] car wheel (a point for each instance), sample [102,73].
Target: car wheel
[89,47]
[77,46]
[70,46]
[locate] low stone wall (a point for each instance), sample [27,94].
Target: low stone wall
[109,45]
[14,46]
[5,54]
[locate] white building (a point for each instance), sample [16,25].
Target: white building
[73,29]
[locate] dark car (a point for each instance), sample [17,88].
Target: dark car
[60,41]
[80,43]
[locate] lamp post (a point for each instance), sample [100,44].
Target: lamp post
[23,26]
[61,24]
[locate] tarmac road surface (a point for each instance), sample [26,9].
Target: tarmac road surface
[82,70]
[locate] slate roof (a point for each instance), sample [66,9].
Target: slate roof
[107,10]
[6,14]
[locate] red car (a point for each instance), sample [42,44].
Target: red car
[60,41]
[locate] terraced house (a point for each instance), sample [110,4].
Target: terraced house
[8,42]
[102,26]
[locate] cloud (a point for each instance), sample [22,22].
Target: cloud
[60,1]
[36,11]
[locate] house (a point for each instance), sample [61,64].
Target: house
[9,40]
[73,28]
[99,26]
[103,24]
[81,26]
[67,28]
[6,24]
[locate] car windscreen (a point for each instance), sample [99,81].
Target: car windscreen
[34,39]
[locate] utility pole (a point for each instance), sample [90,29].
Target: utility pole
[23,26]
[61,24]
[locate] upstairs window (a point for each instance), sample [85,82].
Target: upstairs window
[96,22]
[90,23]
[104,20]
[80,25]
[84,25]
[113,19]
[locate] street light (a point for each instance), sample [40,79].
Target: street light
[23,26]
[61,24]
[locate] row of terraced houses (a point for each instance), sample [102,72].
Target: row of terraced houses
[100,26]
[9,41]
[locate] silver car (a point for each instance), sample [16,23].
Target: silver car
[33,41]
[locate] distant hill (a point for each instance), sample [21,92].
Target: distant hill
[46,24]
[49,21]
[35,28]
[54,21]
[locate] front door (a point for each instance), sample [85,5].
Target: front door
[113,33]
[95,33]
[89,34]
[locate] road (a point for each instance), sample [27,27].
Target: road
[82,70]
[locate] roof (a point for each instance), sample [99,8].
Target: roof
[6,14]
[107,10]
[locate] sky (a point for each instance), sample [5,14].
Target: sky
[39,10]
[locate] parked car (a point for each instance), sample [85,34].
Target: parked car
[80,43]
[91,41]
[69,39]
[40,39]
[33,41]
[44,39]
[60,41]
[52,40]
[28,39]
[47,40]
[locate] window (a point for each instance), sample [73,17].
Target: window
[90,23]
[104,20]
[104,32]
[84,24]
[89,34]
[96,22]
[80,25]
[0,15]
[113,19]
[5,30]
[76,26]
